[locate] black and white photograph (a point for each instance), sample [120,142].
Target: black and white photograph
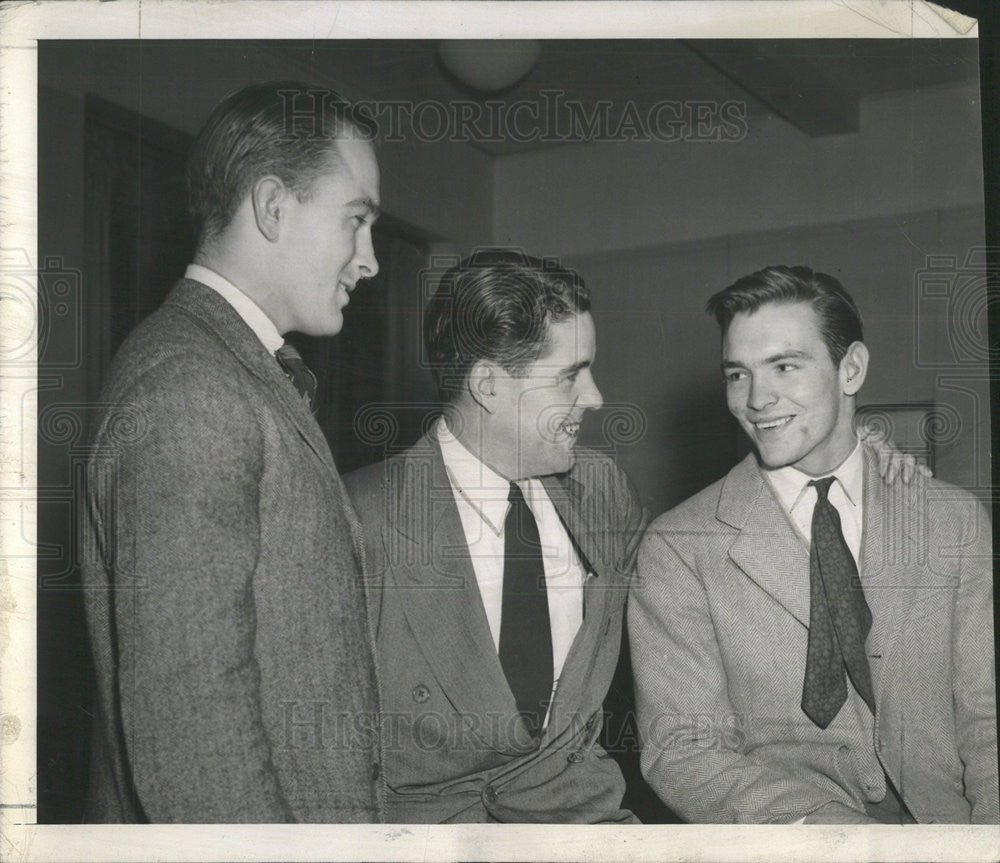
[423,417]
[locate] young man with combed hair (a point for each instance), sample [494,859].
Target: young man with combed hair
[235,670]
[810,643]
[501,553]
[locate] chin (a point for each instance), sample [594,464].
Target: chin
[552,467]
[567,463]
[329,328]
[774,460]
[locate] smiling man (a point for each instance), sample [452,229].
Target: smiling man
[502,552]
[809,643]
[225,602]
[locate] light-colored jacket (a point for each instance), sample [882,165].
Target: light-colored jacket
[718,621]
[455,747]
[235,671]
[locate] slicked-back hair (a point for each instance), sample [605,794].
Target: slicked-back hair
[839,318]
[286,129]
[496,305]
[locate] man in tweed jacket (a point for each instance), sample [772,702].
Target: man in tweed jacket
[722,612]
[235,670]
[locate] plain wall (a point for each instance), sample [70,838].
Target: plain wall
[914,151]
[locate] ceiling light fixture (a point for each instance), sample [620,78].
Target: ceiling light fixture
[489,65]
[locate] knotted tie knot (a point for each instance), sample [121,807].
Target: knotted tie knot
[822,486]
[298,373]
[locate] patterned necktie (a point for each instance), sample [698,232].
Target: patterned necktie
[298,373]
[839,618]
[525,630]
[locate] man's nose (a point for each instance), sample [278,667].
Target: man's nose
[760,394]
[364,256]
[590,395]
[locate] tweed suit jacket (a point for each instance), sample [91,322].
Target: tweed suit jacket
[456,749]
[235,665]
[718,622]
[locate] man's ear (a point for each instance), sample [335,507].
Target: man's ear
[853,368]
[482,385]
[268,197]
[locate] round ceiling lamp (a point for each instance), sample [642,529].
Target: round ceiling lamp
[489,65]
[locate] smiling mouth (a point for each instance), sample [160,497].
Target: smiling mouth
[771,425]
[570,428]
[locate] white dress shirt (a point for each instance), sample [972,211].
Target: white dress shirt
[798,499]
[481,498]
[246,308]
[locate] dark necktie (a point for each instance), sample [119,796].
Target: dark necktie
[525,631]
[839,618]
[298,373]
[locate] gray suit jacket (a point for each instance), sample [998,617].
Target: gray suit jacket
[455,747]
[718,622]
[225,601]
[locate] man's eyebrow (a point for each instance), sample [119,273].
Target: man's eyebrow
[788,355]
[771,360]
[573,369]
[368,204]
[774,358]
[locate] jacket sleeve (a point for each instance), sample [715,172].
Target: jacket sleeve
[179,514]
[693,752]
[974,674]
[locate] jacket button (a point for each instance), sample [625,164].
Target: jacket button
[491,794]
[574,757]
[376,771]
[421,693]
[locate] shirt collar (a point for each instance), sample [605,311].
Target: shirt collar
[252,314]
[482,487]
[790,484]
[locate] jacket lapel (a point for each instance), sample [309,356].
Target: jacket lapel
[770,552]
[600,588]
[211,311]
[567,495]
[767,548]
[429,561]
